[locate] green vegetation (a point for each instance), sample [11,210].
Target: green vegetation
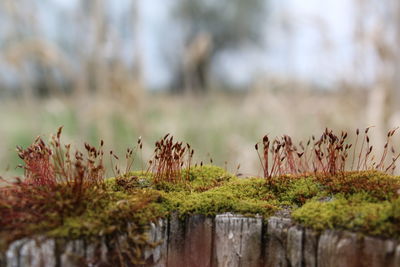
[136,198]
[361,201]
[68,196]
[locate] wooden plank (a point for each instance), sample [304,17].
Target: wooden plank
[237,241]
[339,249]
[275,248]
[176,242]
[198,241]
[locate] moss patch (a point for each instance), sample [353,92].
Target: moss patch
[357,213]
[111,214]
[376,184]
[135,198]
[365,201]
[245,196]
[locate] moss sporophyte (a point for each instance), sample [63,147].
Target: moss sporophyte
[67,196]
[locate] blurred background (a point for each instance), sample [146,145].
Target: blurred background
[216,74]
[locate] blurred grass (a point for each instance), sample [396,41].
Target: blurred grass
[222,126]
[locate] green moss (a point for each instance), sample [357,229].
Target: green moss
[208,176]
[245,196]
[112,213]
[197,179]
[374,183]
[297,191]
[361,200]
[212,203]
[365,201]
[194,179]
[135,199]
[358,212]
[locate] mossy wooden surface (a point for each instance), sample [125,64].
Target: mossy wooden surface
[366,202]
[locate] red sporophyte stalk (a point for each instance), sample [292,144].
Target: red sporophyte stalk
[54,182]
[328,155]
[39,170]
[169,159]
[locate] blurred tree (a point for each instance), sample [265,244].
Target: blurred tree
[210,27]
[106,72]
[377,33]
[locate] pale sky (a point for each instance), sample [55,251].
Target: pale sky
[315,44]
